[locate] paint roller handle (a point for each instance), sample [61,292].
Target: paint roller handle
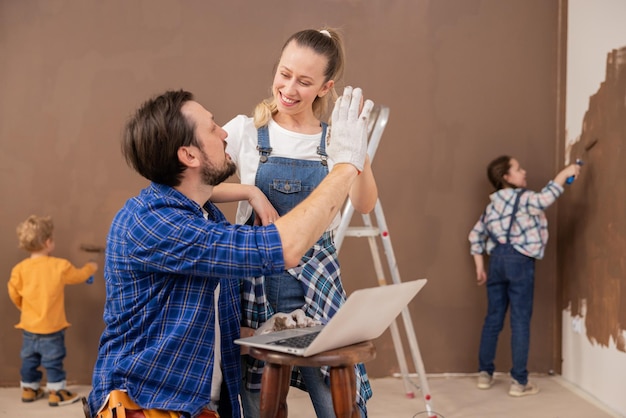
[91,278]
[570,179]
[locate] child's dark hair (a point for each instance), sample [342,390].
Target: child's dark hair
[33,233]
[496,171]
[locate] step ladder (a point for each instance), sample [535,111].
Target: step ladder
[377,123]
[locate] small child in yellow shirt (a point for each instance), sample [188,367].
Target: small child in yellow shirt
[36,287]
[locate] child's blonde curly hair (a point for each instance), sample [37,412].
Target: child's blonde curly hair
[33,233]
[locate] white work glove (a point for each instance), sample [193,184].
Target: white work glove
[348,130]
[281,321]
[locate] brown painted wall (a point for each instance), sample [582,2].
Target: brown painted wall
[591,218]
[466,80]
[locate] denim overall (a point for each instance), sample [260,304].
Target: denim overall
[510,280]
[286,182]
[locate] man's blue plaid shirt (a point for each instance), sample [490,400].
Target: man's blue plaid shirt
[164,260]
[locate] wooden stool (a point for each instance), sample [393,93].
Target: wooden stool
[277,375]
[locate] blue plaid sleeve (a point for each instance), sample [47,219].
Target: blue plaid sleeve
[174,241]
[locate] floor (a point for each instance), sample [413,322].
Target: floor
[451,397]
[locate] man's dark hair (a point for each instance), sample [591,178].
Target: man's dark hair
[154,134]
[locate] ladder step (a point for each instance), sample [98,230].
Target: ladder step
[362,231]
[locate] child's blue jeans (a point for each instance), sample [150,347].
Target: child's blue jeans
[510,281]
[47,350]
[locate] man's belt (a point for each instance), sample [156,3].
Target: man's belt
[120,405]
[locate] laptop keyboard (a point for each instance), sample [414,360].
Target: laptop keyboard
[300,341]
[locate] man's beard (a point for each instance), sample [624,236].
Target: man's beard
[213,176]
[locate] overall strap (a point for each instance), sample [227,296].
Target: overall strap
[263,143]
[515,206]
[321,149]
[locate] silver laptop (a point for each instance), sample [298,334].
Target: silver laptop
[364,316]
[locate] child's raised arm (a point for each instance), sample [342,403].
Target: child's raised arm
[568,171]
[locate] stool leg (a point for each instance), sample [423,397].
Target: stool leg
[343,389]
[274,388]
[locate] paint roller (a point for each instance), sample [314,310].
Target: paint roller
[580,161]
[91,248]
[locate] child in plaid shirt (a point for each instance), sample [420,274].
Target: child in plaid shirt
[513,232]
